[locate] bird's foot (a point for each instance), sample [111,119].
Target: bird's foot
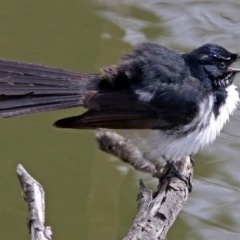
[178,174]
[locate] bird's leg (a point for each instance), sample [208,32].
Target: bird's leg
[177,173]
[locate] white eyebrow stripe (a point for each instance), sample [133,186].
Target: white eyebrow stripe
[220,57]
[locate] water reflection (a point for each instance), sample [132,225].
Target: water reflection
[183,24]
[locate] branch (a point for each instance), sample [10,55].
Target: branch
[157,211]
[34,196]
[115,144]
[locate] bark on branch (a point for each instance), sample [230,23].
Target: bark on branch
[34,196]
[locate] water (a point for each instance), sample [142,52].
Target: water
[89,194]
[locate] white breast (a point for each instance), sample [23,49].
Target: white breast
[175,148]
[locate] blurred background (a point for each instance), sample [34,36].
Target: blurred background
[89,194]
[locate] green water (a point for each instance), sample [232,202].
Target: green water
[89,194]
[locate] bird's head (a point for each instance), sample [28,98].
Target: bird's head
[213,62]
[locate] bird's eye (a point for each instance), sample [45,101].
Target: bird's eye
[222,65]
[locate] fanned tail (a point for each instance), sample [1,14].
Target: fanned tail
[30,88]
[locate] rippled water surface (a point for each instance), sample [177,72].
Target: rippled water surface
[91,195]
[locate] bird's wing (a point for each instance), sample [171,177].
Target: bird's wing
[109,119]
[118,110]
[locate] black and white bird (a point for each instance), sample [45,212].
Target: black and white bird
[183,99]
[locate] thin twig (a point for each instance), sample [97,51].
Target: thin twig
[34,196]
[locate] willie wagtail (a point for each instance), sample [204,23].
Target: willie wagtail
[184,99]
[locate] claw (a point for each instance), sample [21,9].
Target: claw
[179,175]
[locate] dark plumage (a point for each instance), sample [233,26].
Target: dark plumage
[152,88]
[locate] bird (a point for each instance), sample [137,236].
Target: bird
[182,99]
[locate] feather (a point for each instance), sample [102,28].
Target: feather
[30,88]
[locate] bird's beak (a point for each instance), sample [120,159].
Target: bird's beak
[232,69]
[235,70]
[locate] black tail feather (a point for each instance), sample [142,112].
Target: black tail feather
[29,88]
